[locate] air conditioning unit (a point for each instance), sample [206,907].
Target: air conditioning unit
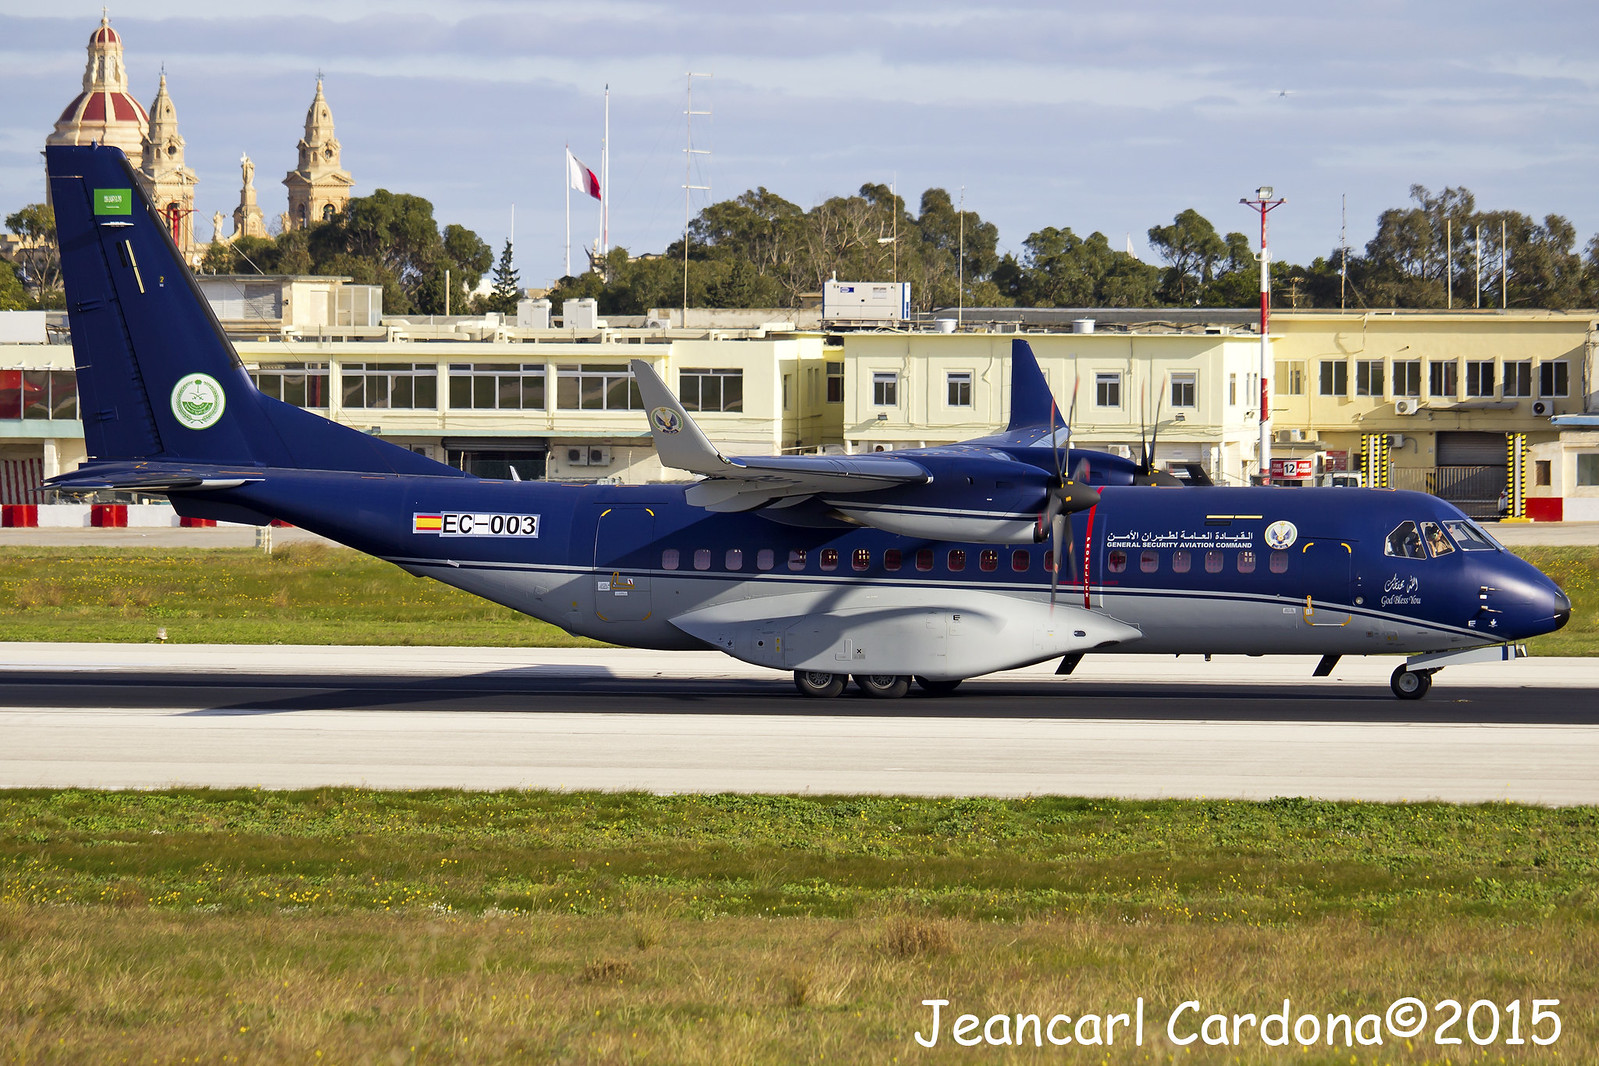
[1406,407]
[577,457]
[599,456]
[1289,436]
[1122,450]
[1543,408]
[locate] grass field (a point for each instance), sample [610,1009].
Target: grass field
[316,594]
[349,926]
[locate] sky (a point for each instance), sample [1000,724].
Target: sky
[1108,117]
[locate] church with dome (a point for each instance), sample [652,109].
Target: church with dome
[106,112]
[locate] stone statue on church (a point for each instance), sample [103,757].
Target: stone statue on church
[249,170]
[218,220]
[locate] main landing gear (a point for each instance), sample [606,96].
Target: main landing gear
[1410,684]
[821,685]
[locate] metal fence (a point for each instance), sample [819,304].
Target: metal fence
[1473,489]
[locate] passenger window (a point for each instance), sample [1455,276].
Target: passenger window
[957,559]
[988,561]
[796,559]
[1116,562]
[734,559]
[1181,561]
[893,559]
[1279,562]
[924,559]
[1020,560]
[1437,543]
[669,559]
[702,558]
[829,558]
[861,559]
[764,559]
[1404,542]
[1246,562]
[1149,562]
[1213,562]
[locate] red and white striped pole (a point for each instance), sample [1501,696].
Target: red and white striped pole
[1264,203]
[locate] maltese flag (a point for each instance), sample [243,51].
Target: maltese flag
[581,177]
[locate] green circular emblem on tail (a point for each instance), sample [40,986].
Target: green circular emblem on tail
[198,401]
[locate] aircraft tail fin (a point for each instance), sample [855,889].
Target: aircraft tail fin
[157,378]
[1031,402]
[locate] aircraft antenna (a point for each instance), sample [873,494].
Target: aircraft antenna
[689,188]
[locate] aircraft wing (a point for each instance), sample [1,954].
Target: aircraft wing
[744,484]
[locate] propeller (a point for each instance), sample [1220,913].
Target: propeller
[1146,474]
[1066,495]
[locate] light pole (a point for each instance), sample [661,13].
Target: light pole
[1264,203]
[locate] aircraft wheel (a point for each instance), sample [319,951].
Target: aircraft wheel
[883,686]
[819,685]
[938,688]
[1410,684]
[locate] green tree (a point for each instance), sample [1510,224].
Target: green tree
[507,284]
[40,257]
[1191,249]
[13,297]
[392,239]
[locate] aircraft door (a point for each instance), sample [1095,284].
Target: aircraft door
[622,537]
[1327,581]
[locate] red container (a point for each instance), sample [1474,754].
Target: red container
[108,515]
[196,523]
[19,515]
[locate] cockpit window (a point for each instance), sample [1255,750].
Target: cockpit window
[1437,543]
[1404,542]
[1470,536]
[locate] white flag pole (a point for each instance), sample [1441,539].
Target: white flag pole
[567,181]
[605,179]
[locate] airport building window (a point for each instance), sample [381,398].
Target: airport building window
[1368,377]
[1108,390]
[765,559]
[1246,562]
[390,385]
[1232,389]
[702,558]
[893,559]
[1213,562]
[1542,471]
[796,559]
[829,558]
[835,382]
[1020,560]
[1149,562]
[1181,561]
[1404,542]
[711,390]
[38,394]
[1116,562]
[924,559]
[885,389]
[1552,379]
[1443,378]
[1480,377]
[1184,388]
[959,384]
[1334,377]
[596,388]
[734,559]
[988,560]
[1518,379]
[491,387]
[1407,378]
[1588,469]
[1279,562]
[861,558]
[301,384]
[1290,380]
[957,560]
[669,559]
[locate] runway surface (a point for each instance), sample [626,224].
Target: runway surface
[147,716]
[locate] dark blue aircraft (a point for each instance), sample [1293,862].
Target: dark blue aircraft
[936,565]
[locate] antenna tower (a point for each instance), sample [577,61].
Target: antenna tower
[689,188]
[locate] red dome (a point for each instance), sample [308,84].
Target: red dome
[104,107]
[104,35]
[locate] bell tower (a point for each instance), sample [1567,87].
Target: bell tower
[164,176]
[319,187]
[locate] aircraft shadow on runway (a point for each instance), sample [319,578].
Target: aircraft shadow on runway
[534,690]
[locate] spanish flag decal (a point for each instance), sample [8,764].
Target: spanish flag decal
[427,523]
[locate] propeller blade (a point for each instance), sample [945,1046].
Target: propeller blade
[1057,529]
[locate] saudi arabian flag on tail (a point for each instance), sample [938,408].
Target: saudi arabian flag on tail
[581,177]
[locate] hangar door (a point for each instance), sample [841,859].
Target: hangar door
[1471,471]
